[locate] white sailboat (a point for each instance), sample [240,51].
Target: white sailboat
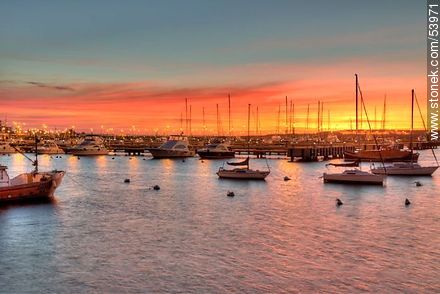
[356,176]
[407,168]
[243,173]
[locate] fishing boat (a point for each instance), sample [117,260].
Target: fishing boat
[354,176]
[216,151]
[243,172]
[407,168]
[176,146]
[49,147]
[34,185]
[90,146]
[6,148]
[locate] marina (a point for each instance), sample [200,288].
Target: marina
[171,237]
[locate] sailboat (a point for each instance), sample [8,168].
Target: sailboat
[244,172]
[355,176]
[407,168]
[29,186]
[388,155]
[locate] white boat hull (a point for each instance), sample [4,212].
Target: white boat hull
[89,152]
[242,174]
[370,179]
[163,153]
[405,171]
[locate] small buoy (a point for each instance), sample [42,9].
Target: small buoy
[203,161]
[230,194]
[130,158]
[183,160]
[113,158]
[156,187]
[286,178]
[127,181]
[418,184]
[339,202]
[143,158]
[407,202]
[78,158]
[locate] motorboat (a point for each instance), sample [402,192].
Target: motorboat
[90,146]
[176,146]
[216,151]
[49,147]
[405,169]
[354,176]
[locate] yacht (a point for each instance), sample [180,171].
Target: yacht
[49,147]
[91,145]
[176,146]
[354,176]
[216,151]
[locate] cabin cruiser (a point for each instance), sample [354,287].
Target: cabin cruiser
[49,147]
[216,151]
[405,169]
[91,145]
[175,147]
[354,176]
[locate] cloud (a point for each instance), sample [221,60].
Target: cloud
[55,87]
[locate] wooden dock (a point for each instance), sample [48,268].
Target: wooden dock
[315,151]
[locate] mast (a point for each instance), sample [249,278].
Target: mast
[229,114]
[286,116]
[181,121]
[322,116]
[412,124]
[249,138]
[36,154]
[203,116]
[375,118]
[357,98]
[384,112]
[293,118]
[328,120]
[218,123]
[319,109]
[186,115]
[257,120]
[307,119]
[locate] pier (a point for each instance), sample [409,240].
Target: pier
[312,152]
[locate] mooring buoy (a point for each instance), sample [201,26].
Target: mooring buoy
[127,181]
[156,187]
[339,202]
[407,202]
[230,194]
[418,184]
[286,178]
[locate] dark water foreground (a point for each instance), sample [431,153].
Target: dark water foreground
[104,236]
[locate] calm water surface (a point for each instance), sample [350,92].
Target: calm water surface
[101,235]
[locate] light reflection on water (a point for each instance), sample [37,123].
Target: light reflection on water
[102,235]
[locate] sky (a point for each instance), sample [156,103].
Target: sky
[127,66]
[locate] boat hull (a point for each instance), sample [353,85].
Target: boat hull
[354,179]
[216,154]
[89,152]
[41,190]
[162,154]
[242,174]
[406,171]
[385,155]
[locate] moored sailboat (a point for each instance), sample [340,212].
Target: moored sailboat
[244,172]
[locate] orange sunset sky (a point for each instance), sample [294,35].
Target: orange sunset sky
[129,67]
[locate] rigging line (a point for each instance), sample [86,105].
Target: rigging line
[369,126]
[424,126]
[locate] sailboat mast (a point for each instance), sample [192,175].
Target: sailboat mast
[412,123]
[249,137]
[278,122]
[186,115]
[218,123]
[307,119]
[203,116]
[286,116]
[190,131]
[36,154]
[229,114]
[357,98]
[319,109]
